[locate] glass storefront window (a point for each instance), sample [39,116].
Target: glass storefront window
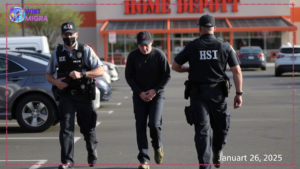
[160,44]
[266,33]
[257,42]
[238,43]
[177,35]
[225,36]
[118,47]
[217,35]
[130,45]
[158,36]
[273,43]
[240,34]
[176,46]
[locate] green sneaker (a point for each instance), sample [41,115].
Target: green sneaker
[144,166]
[159,155]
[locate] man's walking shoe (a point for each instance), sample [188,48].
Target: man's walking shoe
[217,159]
[66,166]
[144,165]
[92,158]
[159,155]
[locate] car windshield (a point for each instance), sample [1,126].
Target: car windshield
[290,50]
[250,50]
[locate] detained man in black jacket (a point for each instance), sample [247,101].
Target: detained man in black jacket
[147,72]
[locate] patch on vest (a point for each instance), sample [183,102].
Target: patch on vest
[79,55]
[208,54]
[76,61]
[62,59]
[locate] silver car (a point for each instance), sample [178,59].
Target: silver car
[112,70]
[29,97]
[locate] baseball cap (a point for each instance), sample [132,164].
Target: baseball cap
[68,27]
[144,37]
[207,21]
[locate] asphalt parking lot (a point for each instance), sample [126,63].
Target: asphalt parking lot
[261,130]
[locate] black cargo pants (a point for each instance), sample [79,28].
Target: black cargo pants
[209,111]
[142,110]
[86,119]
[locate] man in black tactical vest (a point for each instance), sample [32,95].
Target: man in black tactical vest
[208,86]
[77,65]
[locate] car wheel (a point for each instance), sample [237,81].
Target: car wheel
[277,73]
[263,68]
[35,113]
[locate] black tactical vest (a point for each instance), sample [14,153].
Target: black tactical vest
[67,64]
[207,62]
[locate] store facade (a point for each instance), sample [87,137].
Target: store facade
[173,23]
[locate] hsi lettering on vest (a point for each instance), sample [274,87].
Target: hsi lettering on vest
[208,54]
[62,59]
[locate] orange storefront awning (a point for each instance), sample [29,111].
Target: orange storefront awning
[189,25]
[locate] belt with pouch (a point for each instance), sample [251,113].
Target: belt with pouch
[72,92]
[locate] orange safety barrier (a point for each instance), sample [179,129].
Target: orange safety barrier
[117,59]
[125,61]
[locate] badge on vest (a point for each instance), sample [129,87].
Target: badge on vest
[208,54]
[79,55]
[62,59]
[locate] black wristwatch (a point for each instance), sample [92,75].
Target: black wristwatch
[83,73]
[239,93]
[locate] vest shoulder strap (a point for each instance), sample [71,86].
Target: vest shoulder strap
[58,52]
[80,47]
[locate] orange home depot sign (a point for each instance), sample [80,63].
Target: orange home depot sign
[147,6]
[190,6]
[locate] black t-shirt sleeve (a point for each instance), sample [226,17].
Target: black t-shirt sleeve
[183,55]
[233,59]
[130,74]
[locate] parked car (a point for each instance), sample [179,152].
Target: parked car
[43,56]
[112,70]
[34,43]
[29,97]
[106,74]
[252,57]
[285,60]
[105,89]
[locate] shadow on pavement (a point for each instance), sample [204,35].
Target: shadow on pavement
[14,130]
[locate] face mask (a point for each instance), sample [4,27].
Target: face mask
[69,41]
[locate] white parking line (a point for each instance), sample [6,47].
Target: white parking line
[126,97]
[76,139]
[109,112]
[98,123]
[118,104]
[36,138]
[36,165]
[9,123]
